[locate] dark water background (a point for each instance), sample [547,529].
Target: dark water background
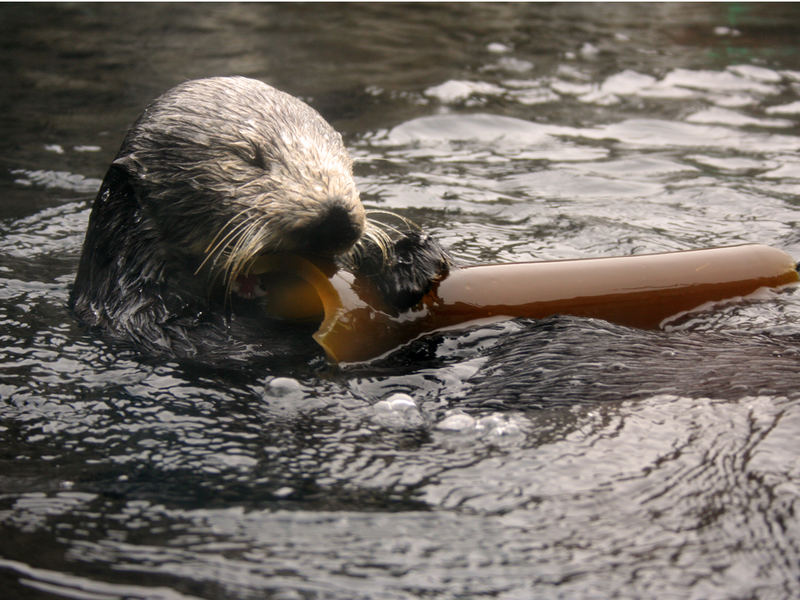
[561,459]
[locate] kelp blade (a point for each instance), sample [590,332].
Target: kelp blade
[640,291]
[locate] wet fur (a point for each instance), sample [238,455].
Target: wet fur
[214,173]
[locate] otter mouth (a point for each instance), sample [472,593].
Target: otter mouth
[352,324]
[286,287]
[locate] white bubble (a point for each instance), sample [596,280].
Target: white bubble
[457,422]
[398,411]
[498,48]
[282,387]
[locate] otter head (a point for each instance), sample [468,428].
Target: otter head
[214,175]
[229,168]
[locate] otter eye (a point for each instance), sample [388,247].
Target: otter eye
[259,158]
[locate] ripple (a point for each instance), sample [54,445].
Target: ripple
[456,91]
[69,586]
[654,133]
[62,180]
[793,108]
[51,231]
[734,118]
[554,458]
[747,78]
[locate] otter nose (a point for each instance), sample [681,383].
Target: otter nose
[335,229]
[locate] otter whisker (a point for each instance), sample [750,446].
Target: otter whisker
[378,235]
[216,246]
[249,242]
[214,252]
[406,221]
[232,258]
[372,235]
[235,217]
[213,241]
[379,226]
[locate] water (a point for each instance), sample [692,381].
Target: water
[565,458]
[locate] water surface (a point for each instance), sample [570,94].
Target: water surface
[552,459]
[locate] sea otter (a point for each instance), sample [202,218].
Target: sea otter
[214,174]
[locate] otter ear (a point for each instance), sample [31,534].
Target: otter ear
[130,164]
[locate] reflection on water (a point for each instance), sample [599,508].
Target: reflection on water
[560,458]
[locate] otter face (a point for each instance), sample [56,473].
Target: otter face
[215,174]
[230,168]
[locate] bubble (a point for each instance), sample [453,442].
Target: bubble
[457,422]
[284,386]
[498,48]
[399,411]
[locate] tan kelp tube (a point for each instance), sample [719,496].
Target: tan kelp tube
[640,291]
